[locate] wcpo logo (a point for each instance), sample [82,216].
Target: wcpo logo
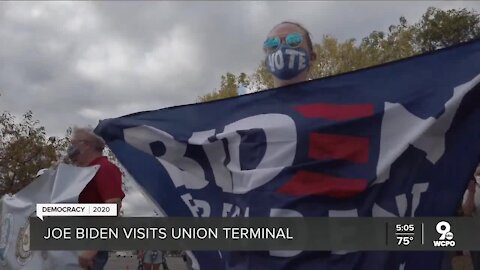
[446,236]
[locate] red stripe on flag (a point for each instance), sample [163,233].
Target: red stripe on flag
[335,112]
[326,146]
[309,183]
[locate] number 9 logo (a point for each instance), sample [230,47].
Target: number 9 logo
[443,228]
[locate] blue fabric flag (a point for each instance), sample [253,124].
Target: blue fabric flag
[396,140]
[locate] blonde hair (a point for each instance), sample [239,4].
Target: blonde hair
[87,133]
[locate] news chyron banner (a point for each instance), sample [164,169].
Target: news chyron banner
[251,233]
[58,186]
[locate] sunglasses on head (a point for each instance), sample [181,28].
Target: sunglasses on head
[293,40]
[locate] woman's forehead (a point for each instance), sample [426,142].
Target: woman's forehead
[285,29]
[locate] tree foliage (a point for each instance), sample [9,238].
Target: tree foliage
[24,150]
[436,29]
[261,79]
[228,87]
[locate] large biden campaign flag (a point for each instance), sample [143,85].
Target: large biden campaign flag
[396,140]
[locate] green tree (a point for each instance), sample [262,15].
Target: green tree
[380,47]
[261,79]
[438,28]
[24,150]
[335,57]
[228,87]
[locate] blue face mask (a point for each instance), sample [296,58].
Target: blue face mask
[286,63]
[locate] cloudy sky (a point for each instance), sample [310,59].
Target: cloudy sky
[74,63]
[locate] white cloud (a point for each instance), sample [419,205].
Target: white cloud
[106,61]
[173,54]
[91,113]
[72,16]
